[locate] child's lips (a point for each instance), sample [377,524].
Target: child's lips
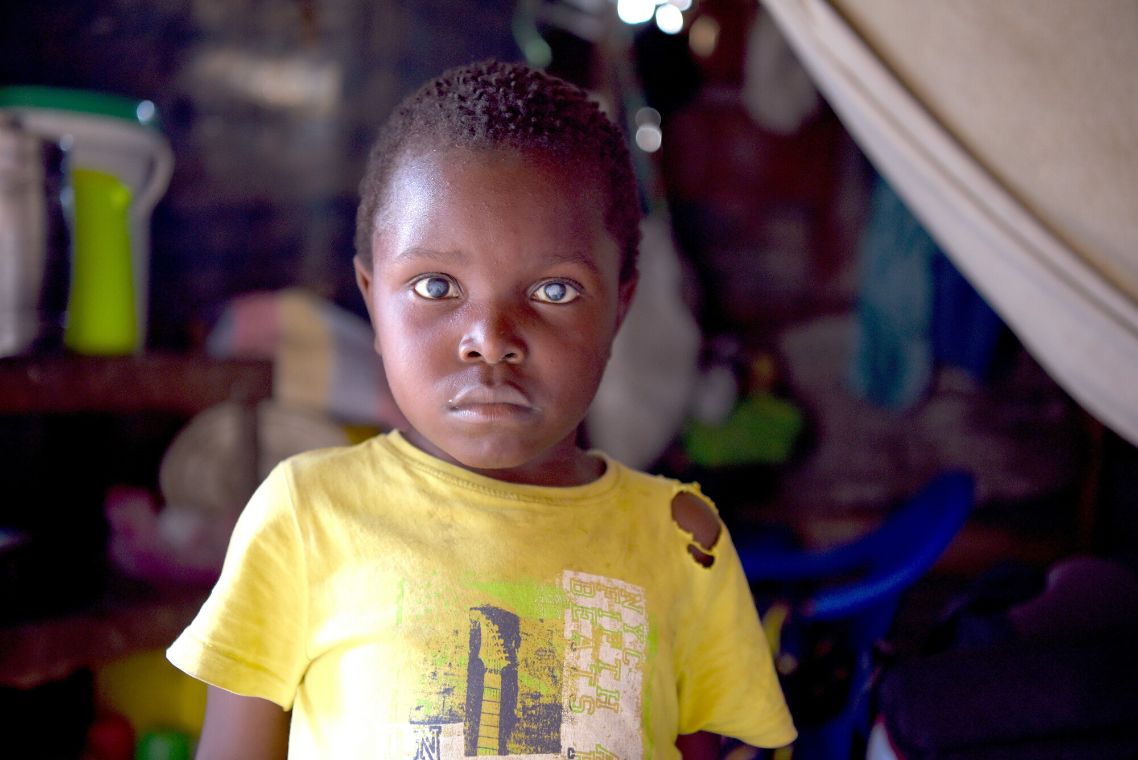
[490,400]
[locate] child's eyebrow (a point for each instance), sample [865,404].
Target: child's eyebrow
[415,253]
[572,257]
[577,257]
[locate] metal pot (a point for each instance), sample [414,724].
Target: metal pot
[34,240]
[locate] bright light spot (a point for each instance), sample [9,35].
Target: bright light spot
[144,111]
[649,138]
[635,11]
[670,19]
[704,36]
[683,5]
[647,115]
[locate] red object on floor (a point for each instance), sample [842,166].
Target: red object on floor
[110,737]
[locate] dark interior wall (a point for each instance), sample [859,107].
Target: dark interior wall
[269,106]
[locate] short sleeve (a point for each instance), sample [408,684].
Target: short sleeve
[727,683]
[249,636]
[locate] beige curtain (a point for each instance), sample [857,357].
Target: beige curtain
[1010,128]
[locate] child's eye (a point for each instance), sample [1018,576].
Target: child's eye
[435,287]
[556,291]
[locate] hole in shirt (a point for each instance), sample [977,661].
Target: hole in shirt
[698,520]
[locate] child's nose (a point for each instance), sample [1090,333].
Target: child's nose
[492,337]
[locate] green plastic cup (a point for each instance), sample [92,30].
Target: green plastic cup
[101,315]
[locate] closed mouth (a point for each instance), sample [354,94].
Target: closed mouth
[489,397]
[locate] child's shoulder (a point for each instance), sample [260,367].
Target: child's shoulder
[328,460]
[694,513]
[663,486]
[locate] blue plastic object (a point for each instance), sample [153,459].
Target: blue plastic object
[858,586]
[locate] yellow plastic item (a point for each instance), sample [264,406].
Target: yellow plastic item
[152,694]
[101,316]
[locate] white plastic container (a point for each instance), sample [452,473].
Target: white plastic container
[116,136]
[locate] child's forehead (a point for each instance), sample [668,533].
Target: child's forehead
[459,199]
[438,158]
[432,170]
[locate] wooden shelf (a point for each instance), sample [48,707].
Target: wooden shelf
[165,382]
[127,615]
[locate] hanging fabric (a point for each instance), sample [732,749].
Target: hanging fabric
[1009,130]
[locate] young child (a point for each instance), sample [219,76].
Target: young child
[475,583]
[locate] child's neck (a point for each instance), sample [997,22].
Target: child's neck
[563,465]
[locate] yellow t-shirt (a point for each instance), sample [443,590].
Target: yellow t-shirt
[404,607]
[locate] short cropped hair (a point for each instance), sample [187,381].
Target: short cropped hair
[491,106]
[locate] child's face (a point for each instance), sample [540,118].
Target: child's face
[495,296]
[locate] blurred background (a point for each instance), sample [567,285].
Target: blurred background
[823,358]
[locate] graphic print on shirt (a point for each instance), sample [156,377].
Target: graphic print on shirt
[491,710]
[607,632]
[542,680]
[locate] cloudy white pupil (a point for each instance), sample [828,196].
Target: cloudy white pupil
[554,291]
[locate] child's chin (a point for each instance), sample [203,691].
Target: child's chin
[483,455]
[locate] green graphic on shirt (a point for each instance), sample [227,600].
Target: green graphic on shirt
[527,599]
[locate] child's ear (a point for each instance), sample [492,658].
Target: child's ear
[624,297]
[363,281]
